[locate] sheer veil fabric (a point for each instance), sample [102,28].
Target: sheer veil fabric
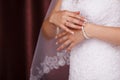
[47,61]
[90,60]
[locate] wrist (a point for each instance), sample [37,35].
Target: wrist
[88,28]
[84,33]
[48,29]
[51,18]
[51,24]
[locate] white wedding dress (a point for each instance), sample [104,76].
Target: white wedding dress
[95,59]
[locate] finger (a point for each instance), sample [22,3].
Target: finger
[64,45]
[67,11]
[67,29]
[75,21]
[61,34]
[78,12]
[61,40]
[72,25]
[70,47]
[74,15]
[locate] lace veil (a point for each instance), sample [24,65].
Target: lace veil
[46,58]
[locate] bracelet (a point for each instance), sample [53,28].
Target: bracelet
[84,33]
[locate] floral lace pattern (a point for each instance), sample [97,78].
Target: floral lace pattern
[49,64]
[87,61]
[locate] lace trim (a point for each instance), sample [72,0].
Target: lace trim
[49,64]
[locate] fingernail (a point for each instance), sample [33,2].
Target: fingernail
[56,43]
[65,51]
[85,20]
[72,33]
[56,37]
[78,12]
[57,49]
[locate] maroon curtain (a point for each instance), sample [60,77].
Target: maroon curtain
[20,22]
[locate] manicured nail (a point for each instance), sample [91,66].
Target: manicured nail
[65,51]
[56,43]
[85,20]
[56,37]
[78,12]
[72,33]
[57,49]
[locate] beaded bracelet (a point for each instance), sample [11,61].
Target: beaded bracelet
[84,33]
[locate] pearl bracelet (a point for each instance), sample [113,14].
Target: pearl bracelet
[84,33]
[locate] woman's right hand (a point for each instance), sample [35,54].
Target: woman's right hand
[66,20]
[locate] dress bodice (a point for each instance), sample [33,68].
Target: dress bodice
[95,59]
[91,60]
[103,12]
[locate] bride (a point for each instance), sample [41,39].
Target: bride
[84,34]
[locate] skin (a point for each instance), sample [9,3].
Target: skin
[66,40]
[62,19]
[108,34]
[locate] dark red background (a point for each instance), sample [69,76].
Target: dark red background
[20,22]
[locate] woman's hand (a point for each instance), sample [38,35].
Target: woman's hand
[66,20]
[67,41]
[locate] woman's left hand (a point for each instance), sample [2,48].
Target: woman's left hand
[67,41]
